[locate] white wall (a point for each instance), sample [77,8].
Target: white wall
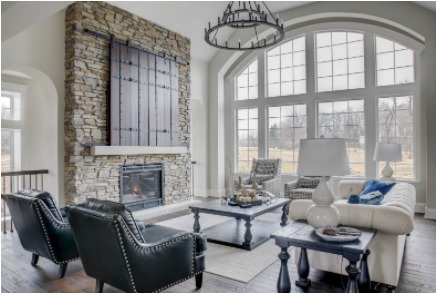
[407,17]
[199,126]
[39,52]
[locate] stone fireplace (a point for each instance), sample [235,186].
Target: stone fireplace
[92,168]
[141,186]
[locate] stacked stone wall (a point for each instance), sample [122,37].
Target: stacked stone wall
[86,83]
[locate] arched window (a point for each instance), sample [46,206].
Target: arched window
[354,83]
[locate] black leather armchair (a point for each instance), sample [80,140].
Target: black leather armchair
[41,228]
[117,250]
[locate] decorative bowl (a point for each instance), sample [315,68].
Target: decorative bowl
[339,237]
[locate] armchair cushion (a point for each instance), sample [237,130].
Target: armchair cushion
[260,178]
[115,208]
[157,234]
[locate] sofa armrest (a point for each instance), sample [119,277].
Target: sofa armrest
[388,219]
[298,209]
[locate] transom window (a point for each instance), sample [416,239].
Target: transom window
[394,63]
[321,91]
[286,70]
[247,82]
[340,61]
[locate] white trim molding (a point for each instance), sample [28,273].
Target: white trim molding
[430,213]
[420,208]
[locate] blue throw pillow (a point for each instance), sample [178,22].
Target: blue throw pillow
[354,199]
[375,185]
[373,198]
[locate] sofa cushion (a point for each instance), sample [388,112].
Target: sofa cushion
[45,197]
[373,198]
[115,208]
[375,185]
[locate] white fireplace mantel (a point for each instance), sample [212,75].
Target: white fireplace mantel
[136,150]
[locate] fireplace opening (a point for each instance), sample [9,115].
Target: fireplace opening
[142,186]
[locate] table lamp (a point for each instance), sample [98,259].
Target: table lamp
[323,157]
[388,152]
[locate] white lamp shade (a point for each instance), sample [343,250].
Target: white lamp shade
[389,152]
[323,157]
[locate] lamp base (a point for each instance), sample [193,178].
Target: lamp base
[320,216]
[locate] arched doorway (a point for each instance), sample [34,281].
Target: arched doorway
[40,137]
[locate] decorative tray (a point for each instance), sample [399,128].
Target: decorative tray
[234,202]
[339,234]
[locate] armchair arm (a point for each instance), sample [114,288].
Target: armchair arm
[141,226]
[59,236]
[273,185]
[290,186]
[155,267]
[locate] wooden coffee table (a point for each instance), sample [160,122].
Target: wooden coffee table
[230,233]
[301,234]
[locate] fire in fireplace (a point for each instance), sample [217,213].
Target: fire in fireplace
[142,186]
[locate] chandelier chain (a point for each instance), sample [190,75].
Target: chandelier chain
[245,16]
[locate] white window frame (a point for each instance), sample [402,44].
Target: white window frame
[16,124]
[370,93]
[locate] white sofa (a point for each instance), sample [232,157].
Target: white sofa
[392,220]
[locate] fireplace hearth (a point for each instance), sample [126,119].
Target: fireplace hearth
[142,186]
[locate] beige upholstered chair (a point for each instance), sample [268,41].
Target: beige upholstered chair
[267,173]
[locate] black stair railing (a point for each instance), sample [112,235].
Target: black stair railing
[14,181]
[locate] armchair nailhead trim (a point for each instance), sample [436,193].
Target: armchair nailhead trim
[123,250]
[38,205]
[150,249]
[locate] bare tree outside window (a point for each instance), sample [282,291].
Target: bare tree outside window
[345,119]
[287,126]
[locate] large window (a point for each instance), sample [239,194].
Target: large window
[356,84]
[287,125]
[247,124]
[11,129]
[395,124]
[345,119]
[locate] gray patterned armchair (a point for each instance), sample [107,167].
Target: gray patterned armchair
[303,187]
[267,173]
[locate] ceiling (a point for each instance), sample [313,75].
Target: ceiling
[188,18]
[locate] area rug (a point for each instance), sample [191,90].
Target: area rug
[237,264]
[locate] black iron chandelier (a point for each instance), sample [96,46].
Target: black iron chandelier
[246,15]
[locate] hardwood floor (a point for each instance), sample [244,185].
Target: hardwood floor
[418,273]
